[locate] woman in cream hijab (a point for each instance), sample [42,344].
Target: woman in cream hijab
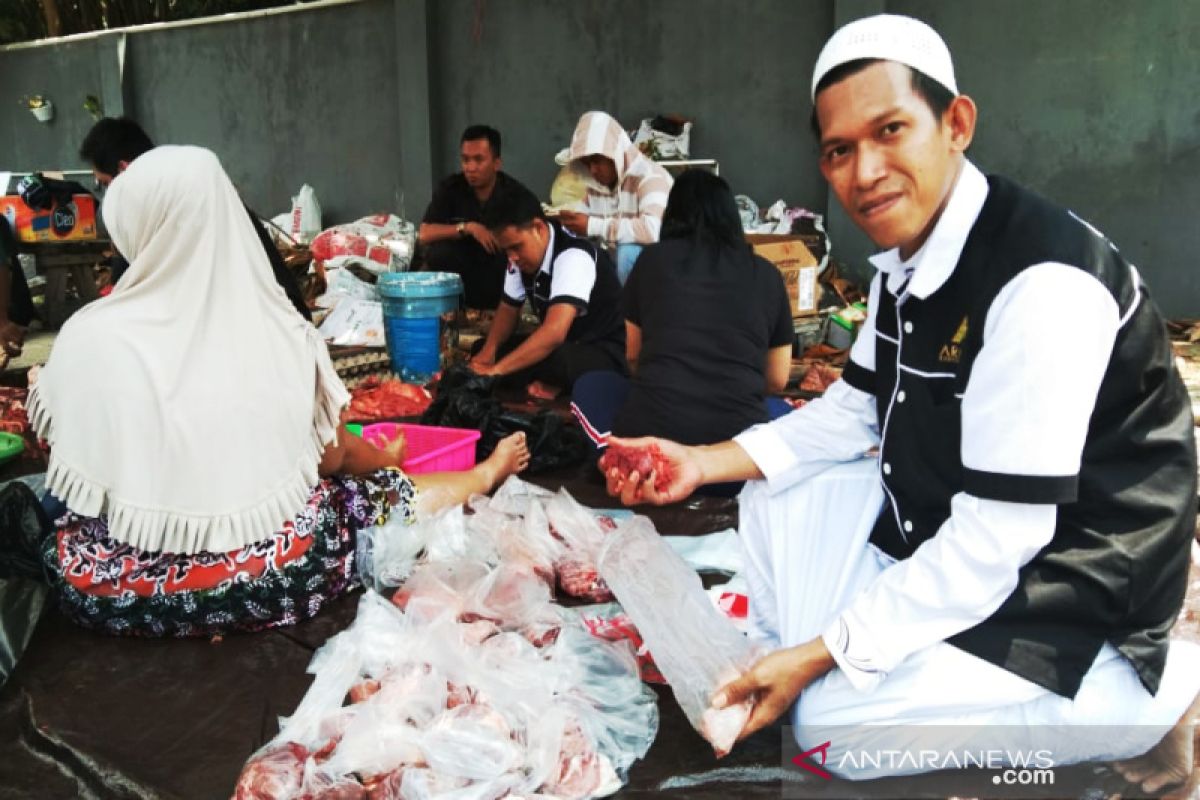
[194,424]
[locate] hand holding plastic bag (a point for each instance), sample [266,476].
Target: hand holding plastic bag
[695,647]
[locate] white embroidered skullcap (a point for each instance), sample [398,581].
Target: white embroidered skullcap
[889,37]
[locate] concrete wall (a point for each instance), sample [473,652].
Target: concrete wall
[738,69]
[294,98]
[1088,101]
[1093,104]
[66,73]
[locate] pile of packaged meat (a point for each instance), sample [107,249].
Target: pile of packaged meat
[461,677]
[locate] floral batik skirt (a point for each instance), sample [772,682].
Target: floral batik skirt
[114,588]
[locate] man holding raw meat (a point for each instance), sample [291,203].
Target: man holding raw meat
[986,522]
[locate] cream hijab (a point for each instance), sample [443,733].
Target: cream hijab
[192,405]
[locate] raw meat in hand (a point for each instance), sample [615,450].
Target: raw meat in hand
[642,460]
[721,726]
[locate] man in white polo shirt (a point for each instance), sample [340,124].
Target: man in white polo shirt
[571,285]
[1015,555]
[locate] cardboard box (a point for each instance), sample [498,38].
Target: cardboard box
[797,265]
[72,222]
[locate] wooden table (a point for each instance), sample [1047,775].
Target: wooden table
[63,261]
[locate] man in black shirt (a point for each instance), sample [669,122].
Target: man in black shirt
[113,143]
[572,287]
[452,235]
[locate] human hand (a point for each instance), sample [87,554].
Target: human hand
[12,338]
[774,683]
[685,474]
[483,362]
[482,235]
[574,221]
[31,377]
[397,448]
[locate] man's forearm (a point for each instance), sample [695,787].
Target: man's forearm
[431,232]
[725,462]
[540,344]
[503,325]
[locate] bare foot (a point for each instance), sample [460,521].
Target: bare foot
[510,457]
[1170,765]
[542,391]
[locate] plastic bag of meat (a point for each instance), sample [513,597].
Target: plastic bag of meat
[583,536]
[382,240]
[695,647]
[514,496]
[444,702]
[607,698]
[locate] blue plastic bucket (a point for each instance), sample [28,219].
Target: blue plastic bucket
[413,303]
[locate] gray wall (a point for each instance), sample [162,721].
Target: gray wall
[1091,102]
[284,100]
[733,67]
[66,73]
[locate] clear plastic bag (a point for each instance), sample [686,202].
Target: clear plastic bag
[468,683]
[583,537]
[695,647]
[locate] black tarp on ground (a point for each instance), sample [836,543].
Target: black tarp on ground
[91,716]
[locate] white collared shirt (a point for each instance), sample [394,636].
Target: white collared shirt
[1047,340]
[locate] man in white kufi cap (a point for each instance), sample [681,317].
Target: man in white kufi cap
[977,541]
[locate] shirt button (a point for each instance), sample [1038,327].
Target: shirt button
[887,469]
[908,327]
[900,395]
[908,526]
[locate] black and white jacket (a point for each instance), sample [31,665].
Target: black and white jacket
[1035,447]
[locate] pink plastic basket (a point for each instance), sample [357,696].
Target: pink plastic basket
[430,448]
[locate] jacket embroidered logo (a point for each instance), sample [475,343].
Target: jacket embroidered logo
[949,354]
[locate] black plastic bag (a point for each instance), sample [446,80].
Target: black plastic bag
[23,526]
[466,400]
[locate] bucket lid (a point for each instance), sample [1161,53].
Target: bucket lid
[419,284]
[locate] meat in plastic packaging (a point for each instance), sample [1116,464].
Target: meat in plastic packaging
[583,536]
[695,647]
[437,715]
[381,243]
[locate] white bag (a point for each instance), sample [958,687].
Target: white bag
[663,146]
[695,647]
[305,222]
[355,322]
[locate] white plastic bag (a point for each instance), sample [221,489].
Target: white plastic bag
[342,283]
[695,647]
[584,537]
[355,322]
[663,146]
[303,222]
[382,242]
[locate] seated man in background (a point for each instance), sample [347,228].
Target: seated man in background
[111,146]
[626,195]
[16,304]
[571,285]
[452,233]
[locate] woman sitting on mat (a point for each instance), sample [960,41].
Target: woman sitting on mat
[708,330]
[194,420]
